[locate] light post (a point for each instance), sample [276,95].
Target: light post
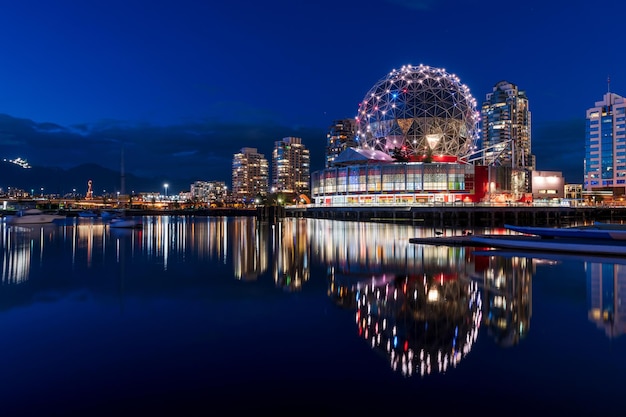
[165,186]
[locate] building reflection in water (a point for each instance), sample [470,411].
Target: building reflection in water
[355,253]
[606,296]
[18,243]
[292,254]
[507,290]
[422,324]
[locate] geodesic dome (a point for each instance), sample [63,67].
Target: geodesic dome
[422,111]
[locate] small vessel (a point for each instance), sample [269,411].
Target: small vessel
[33,216]
[119,219]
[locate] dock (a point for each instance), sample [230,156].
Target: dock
[530,243]
[462,215]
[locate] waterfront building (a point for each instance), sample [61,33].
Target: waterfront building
[548,185]
[605,147]
[291,170]
[211,192]
[573,193]
[250,175]
[340,136]
[506,134]
[415,130]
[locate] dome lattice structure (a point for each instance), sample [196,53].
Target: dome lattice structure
[420,110]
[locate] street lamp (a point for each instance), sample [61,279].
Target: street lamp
[165,186]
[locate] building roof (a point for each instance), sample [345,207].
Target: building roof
[361,156]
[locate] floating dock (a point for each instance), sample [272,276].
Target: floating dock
[530,243]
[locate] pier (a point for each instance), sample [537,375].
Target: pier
[464,215]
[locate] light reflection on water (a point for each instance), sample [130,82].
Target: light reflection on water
[421,307]
[354,253]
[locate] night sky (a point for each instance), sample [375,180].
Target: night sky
[183,85]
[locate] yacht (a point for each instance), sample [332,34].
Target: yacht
[33,216]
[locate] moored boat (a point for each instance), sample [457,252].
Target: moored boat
[33,216]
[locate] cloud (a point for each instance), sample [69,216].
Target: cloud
[193,151]
[203,150]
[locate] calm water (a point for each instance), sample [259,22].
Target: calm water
[209,316]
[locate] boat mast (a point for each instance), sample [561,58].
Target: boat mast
[122,178]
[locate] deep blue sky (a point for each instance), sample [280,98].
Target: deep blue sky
[186,84]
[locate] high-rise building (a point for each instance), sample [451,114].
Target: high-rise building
[605,145]
[340,136]
[291,169]
[250,175]
[506,133]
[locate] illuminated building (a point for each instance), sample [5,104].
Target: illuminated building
[506,134]
[209,191]
[291,170]
[250,175]
[605,146]
[415,129]
[340,136]
[547,185]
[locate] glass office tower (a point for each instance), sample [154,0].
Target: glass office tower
[605,145]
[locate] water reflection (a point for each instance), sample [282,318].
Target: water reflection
[422,324]
[506,284]
[413,302]
[606,296]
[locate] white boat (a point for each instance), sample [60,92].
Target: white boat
[33,216]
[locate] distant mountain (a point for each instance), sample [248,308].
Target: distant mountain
[59,181]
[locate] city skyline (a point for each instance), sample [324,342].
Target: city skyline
[183,87]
